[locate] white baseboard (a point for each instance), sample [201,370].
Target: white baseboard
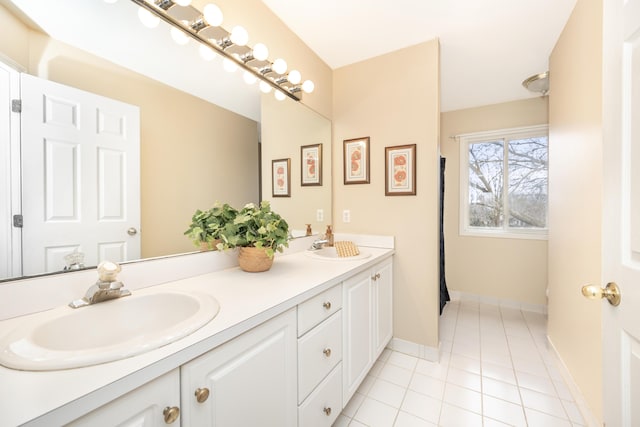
[421,351]
[518,305]
[581,403]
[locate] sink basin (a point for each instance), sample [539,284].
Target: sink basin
[70,338]
[330,254]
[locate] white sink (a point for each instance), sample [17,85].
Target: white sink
[70,338]
[330,254]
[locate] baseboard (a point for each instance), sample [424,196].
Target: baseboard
[421,351]
[518,305]
[581,403]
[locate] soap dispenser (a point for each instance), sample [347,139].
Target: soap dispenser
[329,236]
[309,231]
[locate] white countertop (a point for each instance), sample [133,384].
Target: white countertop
[246,300]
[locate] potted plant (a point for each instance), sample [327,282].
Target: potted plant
[258,232]
[206,226]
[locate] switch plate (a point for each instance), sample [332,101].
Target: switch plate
[346,216]
[319,215]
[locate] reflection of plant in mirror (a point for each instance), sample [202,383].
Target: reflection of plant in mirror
[206,226]
[256,226]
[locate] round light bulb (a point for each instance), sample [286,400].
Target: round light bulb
[213,15]
[147,18]
[279,66]
[260,52]
[308,86]
[239,36]
[229,65]
[249,78]
[182,2]
[179,36]
[206,53]
[279,95]
[265,87]
[294,77]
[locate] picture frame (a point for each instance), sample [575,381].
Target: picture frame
[356,161]
[400,170]
[311,165]
[281,178]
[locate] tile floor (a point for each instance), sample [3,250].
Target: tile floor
[495,370]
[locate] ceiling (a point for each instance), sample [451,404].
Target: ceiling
[487,47]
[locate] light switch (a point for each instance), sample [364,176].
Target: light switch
[319,215]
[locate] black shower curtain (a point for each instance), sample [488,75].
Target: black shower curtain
[444,292]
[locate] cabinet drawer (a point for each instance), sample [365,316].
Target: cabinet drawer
[318,308]
[324,405]
[318,352]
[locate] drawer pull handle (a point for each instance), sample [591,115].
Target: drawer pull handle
[327,305]
[327,411]
[171,414]
[202,394]
[375,277]
[327,352]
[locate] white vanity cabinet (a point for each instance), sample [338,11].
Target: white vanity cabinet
[248,381]
[368,323]
[154,404]
[320,359]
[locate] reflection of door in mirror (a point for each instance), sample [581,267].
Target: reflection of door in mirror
[81,178]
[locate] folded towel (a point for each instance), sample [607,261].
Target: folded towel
[346,248]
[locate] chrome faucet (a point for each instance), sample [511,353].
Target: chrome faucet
[317,244]
[105,288]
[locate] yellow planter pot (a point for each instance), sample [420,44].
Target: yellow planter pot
[254,260]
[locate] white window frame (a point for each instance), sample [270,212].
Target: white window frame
[503,134]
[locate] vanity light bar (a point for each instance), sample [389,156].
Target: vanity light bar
[223,46]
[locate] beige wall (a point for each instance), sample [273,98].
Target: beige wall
[575,119]
[394,100]
[511,269]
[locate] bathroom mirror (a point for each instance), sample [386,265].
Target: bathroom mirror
[200,126]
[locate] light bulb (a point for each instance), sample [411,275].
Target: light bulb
[279,95]
[212,14]
[179,36]
[249,78]
[206,53]
[279,66]
[147,18]
[260,52]
[294,77]
[265,87]
[182,2]
[229,65]
[239,36]
[308,86]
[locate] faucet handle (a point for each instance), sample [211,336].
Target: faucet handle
[107,271]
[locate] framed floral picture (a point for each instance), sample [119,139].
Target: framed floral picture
[400,170]
[311,165]
[356,161]
[281,177]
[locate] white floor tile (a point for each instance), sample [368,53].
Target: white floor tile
[427,385]
[366,385]
[499,372]
[433,369]
[373,413]
[501,390]
[403,360]
[353,405]
[539,419]
[463,398]
[489,422]
[422,406]
[543,403]
[395,374]
[452,416]
[562,390]
[355,423]
[465,363]
[387,392]
[503,411]
[536,383]
[573,412]
[405,419]
[464,379]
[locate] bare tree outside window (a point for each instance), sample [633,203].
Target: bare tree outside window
[522,163]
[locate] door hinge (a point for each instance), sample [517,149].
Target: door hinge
[17,221]
[16,105]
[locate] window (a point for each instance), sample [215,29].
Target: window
[504,183]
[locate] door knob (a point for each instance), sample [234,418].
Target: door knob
[611,292]
[202,394]
[132,231]
[171,414]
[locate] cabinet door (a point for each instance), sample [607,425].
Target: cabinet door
[251,380]
[142,407]
[382,281]
[357,333]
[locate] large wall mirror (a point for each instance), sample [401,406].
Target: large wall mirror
[200,127]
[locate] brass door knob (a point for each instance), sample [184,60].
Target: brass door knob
[202,394]
[327,352]
[327,411]
[611,292]
[171,414]
[327,305]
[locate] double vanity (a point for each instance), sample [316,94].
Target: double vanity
[287,347]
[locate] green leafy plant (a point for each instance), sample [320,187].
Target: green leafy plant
[207,226]
[256,226]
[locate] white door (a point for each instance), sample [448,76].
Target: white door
[80,176]
[621,216]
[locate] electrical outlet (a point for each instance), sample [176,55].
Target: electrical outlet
[346,216]
[319,215]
